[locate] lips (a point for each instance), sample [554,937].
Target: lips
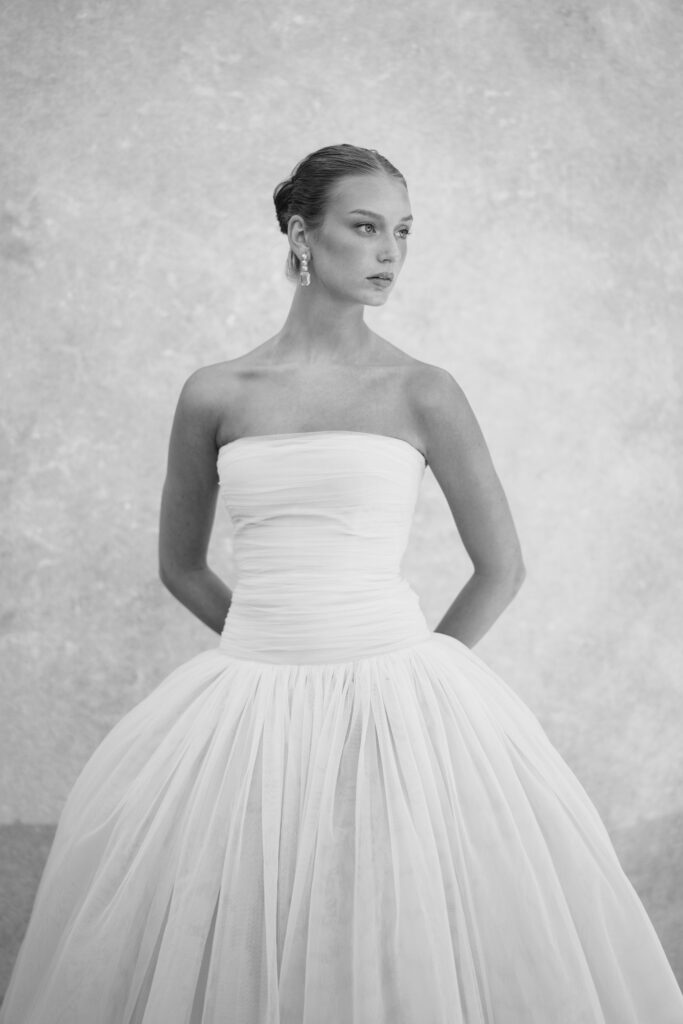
[382,277]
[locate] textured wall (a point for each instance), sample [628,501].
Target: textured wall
[541,143]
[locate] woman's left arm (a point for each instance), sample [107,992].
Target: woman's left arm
[460,460]
[188,506]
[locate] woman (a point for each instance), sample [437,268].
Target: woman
[336,815]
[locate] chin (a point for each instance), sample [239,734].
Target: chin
[376,297]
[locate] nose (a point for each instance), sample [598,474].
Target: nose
[390,251]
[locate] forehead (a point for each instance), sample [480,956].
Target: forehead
[382,193]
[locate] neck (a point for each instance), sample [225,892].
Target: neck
[320,330]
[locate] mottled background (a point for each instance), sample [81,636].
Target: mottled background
[541,143]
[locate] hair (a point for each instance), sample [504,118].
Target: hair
[307,190]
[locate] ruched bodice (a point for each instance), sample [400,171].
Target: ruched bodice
[321,522]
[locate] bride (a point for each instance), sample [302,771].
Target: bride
[336,814]
[347,216]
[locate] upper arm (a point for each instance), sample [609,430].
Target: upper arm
[188,502]
[460,460]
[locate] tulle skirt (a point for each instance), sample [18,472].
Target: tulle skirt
[385,840]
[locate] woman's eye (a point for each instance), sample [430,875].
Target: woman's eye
[403,232]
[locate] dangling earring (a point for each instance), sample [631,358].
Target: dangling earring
[304,276]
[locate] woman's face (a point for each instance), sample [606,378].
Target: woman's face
[363,235]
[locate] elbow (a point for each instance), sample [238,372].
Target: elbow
[175,576]
[515,573]
[510,576]
[166,576]
[170,575]
[518,576]
[515,569]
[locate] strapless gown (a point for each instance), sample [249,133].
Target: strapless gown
[336,815]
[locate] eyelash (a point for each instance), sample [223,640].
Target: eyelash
[368,224]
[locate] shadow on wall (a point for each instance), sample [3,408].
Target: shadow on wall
[645,851]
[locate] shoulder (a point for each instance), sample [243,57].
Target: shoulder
[204,397]
[424,379]
[431,391]
[219,381]
[208,386]
[435,391]
[446,420]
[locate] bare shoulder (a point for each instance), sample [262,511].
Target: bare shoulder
[208,387]
[432,384]
[424,379]
[441,409]
[204,396]
[207,379]
[435,391]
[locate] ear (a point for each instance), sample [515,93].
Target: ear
[297,232]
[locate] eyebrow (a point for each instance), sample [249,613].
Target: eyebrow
[378,216]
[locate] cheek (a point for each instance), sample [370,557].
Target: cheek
[353,249]
[342,250]
[345,242]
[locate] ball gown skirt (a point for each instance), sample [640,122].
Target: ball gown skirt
[335,816]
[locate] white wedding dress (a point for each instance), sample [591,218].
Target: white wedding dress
[336,816]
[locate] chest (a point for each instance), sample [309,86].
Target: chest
[362,399]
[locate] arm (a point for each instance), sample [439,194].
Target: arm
[462,465]
[188,506]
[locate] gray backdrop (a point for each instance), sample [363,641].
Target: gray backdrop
[541,143]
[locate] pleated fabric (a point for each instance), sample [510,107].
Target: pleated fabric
[382,836]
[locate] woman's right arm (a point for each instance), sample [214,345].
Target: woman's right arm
[188,505]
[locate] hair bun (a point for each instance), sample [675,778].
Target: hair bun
[282,197]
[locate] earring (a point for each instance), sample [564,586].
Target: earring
[304,276]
